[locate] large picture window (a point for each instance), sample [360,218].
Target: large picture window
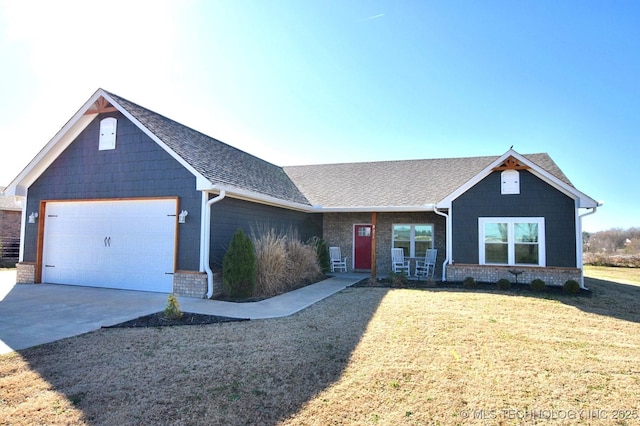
[414,239]
[512,241]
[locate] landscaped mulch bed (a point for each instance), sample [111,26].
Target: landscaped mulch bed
[160,320]
[520,288]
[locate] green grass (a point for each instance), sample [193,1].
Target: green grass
[363,356]
[606,273]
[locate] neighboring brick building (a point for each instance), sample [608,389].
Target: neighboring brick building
[10,218]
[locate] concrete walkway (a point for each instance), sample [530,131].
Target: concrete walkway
[33,314]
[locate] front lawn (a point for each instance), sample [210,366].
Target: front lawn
[620,275]
[362,356]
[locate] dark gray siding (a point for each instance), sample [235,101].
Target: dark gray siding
[536,199]
[138,167]
[230,214]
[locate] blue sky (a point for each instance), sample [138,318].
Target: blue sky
[306,82]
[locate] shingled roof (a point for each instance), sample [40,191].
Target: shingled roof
[407,183]
[217,161]
[388,184]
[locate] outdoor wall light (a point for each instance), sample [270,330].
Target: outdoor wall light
[182,216]
[32,217]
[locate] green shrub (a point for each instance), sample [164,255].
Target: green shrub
[239,267]
[538,285]
[322,252]
[571,287]
[469,282]
[503,284]
[172,310]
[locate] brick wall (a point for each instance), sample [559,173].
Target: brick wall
[26,273]
[10,224]
[190,284]
[338,231]
[491,274]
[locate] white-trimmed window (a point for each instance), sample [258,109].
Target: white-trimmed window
[512,241]
[107,138]
[413,238]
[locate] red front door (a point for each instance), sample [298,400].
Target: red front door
[362,246]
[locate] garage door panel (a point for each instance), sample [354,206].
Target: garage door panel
[118,244]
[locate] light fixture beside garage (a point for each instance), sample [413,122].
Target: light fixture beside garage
[32,217]
[182,217]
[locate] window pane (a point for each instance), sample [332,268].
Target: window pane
[421,248]
[404,245]
[496,253]
[526,232]
[423,239]
[495,233]
[364,231]
[401,232]
[527,254]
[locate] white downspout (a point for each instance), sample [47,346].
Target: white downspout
[205,240]
[580,247]
[447,241]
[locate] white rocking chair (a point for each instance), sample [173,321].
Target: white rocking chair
[397,261]
[427,267]
[336,260]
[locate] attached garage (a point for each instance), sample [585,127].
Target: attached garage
[124,244]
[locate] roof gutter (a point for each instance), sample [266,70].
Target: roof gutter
[447,243]
[205,239]
[243,194]
[368,209]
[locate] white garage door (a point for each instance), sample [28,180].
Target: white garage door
[116,244]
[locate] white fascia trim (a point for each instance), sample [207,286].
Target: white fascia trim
[246,195]
[70,132]
[53,148]
[201,181]
[583,200]
[379,209]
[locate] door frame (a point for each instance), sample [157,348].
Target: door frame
[353,236]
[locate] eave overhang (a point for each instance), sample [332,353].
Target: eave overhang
[99,102]
[582,200]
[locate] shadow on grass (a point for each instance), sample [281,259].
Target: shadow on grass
[255,372]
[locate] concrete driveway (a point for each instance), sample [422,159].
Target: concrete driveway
[32,314]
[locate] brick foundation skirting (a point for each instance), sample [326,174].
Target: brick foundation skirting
[190,284]
[26,273]
[491,274]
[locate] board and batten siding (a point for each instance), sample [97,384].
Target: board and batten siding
[136,168]
[536,199]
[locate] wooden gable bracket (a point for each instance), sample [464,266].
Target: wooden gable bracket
[100,106]
[511,164]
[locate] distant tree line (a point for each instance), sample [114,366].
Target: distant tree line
[614,247]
